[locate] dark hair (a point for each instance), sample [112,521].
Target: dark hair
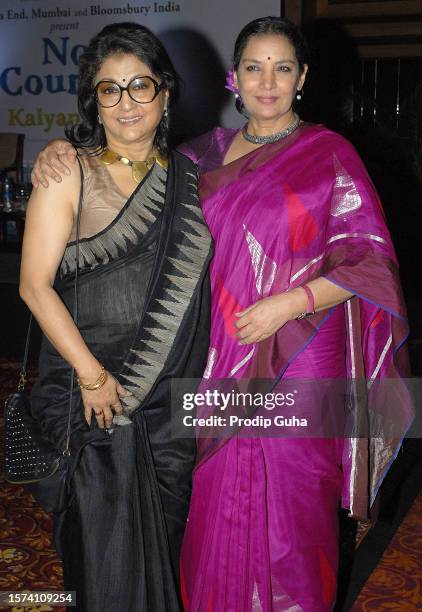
[270,25]
[114,39]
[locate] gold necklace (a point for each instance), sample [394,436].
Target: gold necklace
[139,168]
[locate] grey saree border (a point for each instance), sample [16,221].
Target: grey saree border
[137,216]
[186,247]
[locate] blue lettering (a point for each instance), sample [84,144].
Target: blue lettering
[5,85]
[36,84]
[73,84]
[60,55]
[76,52]
[49,82]
[33,84]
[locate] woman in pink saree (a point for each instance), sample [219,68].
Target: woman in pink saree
[304,286]
[291,210]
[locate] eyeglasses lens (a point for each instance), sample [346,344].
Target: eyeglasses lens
[141,90]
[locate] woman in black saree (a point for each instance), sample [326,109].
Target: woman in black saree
[143,306]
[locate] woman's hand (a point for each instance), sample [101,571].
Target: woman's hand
[50,162]
[265,317]
[103,402]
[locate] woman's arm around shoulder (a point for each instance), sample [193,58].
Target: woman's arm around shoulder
[54,161]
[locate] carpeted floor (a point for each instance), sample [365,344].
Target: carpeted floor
[396,583]
[29,562]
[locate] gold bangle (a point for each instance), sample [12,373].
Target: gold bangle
[101,380]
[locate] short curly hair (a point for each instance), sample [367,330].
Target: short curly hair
[118,38]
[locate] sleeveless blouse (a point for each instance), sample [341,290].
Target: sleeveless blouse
[111,223]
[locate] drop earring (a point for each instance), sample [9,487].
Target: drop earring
[166,107]
[299,94]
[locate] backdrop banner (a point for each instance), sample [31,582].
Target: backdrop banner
[41,40]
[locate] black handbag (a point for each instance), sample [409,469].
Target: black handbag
[29,457]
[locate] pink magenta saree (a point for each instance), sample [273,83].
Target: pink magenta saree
[262,531]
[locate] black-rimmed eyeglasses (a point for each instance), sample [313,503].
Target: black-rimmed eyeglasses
[143,89]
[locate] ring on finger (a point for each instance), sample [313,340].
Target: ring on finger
[98,413]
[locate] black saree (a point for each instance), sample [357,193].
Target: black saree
[144,313]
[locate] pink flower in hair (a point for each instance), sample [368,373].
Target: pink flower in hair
[230,82]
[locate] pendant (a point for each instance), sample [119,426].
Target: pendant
[108,157]
[139,168]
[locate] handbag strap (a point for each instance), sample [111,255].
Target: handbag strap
[22,375]
[66,450]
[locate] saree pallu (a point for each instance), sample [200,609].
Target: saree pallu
[144,313]
[262,530]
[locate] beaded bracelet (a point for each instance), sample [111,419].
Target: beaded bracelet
[97,384]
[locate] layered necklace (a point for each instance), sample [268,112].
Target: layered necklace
[260,140]
[139,168]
